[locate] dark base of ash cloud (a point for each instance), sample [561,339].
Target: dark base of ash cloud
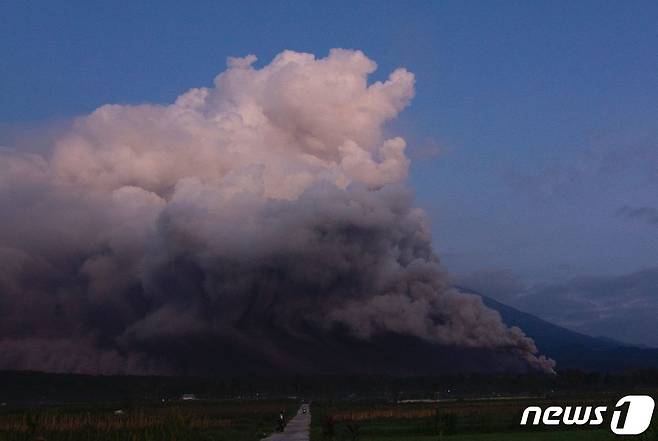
[245,228]
[350,284]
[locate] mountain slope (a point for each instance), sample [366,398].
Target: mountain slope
[572,349]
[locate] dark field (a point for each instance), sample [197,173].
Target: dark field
[198,420]
[458,420]
[469,419]
[50,407]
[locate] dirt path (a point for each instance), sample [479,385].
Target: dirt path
[297,429]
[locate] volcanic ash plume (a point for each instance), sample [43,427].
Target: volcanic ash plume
[270,204]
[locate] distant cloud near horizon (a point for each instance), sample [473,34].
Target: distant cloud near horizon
[648,215]
[622,307]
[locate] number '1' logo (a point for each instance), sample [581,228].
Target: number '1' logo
[637,411]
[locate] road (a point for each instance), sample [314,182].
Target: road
[297,429]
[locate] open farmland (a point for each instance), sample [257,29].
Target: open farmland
[454,420]
[199,420]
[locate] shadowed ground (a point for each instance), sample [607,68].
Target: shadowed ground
[297,429]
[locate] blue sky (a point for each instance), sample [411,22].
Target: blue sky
[544,113]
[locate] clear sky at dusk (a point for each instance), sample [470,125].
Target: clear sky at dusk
[533,132]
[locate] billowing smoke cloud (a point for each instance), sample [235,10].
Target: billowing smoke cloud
[269,204]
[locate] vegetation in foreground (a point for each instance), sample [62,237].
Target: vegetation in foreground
[452,420]
[199,421]
[345,407]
